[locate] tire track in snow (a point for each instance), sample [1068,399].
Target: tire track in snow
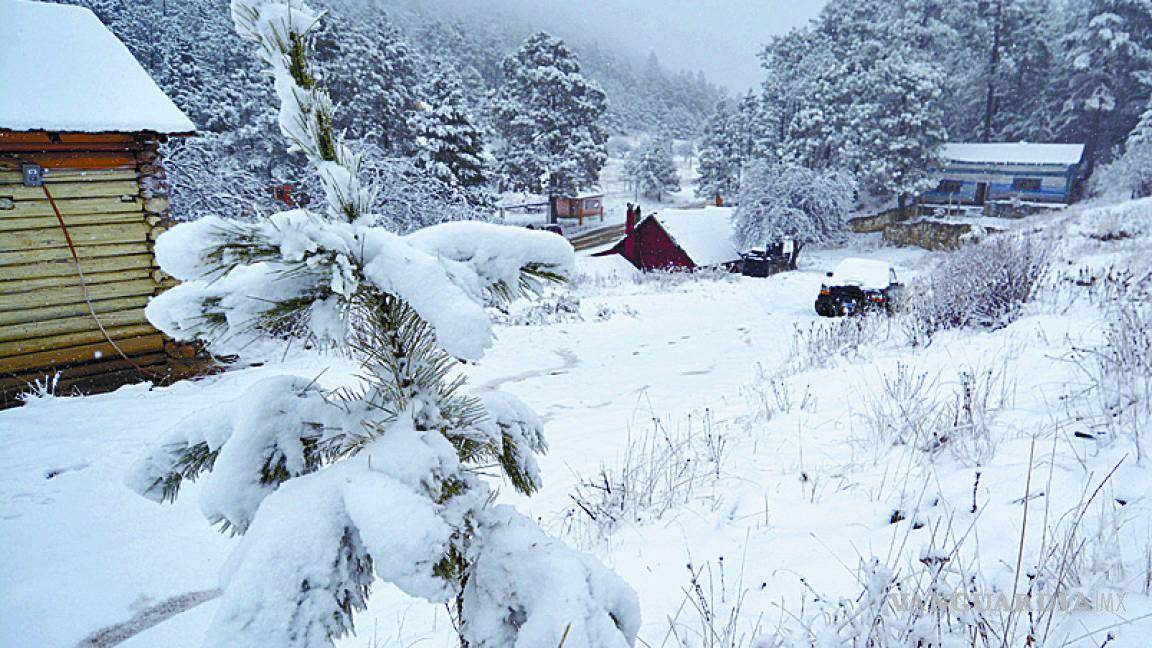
[145,619]
[568,359]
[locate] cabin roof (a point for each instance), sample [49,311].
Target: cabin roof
[61,69]
[705,234]
[1014,153]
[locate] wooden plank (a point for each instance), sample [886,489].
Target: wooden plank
[67,267]
[66,190]
[67,340]
[72,206]
[49,297]
[20,286]
[154,362]
[32,330]
[83,235]
[73,138]
[42,255]
[64,311]
[72,220]
[61,176]
[77,161]
[85,353]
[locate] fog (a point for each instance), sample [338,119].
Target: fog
[720,37]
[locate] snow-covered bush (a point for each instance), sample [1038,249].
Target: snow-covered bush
[1129,176]
[778,201]
[982,285]
[333,490]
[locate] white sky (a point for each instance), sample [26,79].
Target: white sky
[721,37]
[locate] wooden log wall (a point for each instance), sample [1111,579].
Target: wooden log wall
[111,190]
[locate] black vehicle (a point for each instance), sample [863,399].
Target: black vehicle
[769,260]
[858,286]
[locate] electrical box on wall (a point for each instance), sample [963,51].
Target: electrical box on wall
[33,175]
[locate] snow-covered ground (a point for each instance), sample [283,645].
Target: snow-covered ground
[776,484]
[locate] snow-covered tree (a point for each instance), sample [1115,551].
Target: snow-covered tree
[369,66]
[719,167]
[449,144]
[332,490]
[1130,175]
[898,128]
[779,201]
[653,171]
[550,118]
[1108,61]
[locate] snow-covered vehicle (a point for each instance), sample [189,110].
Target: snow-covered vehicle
[858,286]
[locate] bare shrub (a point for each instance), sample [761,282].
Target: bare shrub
[1117,401]
[661,469]
[770,394]
[918,410]
[712,614]
[824,343]
[983,285]
[940,597]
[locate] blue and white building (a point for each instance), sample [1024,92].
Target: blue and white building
[978,174]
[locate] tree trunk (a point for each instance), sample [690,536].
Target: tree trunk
[902,205]
[553,210]
[993,68]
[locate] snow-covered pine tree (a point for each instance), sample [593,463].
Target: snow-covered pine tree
[719,167]
[898,127]
[779,201]
[373,72]
[1108,61]
[550,118]
[653,173]
[449,144]
[334,489]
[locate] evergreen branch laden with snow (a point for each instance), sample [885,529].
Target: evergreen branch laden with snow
[331,490]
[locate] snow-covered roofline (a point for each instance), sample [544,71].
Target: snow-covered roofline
[705,234]
[1013,153]
[61,69]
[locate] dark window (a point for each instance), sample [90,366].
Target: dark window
[949,186]
[1025,184]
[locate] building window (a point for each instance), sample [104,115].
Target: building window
[949,186]
[1025,184]
[591,204]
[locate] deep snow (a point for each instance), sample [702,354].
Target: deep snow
[804,491]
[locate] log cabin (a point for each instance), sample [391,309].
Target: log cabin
[83,195]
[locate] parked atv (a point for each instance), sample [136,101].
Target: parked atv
[858,286]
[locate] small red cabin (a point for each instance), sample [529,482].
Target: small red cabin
[581,207]
[679,239]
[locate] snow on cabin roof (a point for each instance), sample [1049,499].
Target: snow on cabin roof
[61,69]
[1014,153]
[705,234]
